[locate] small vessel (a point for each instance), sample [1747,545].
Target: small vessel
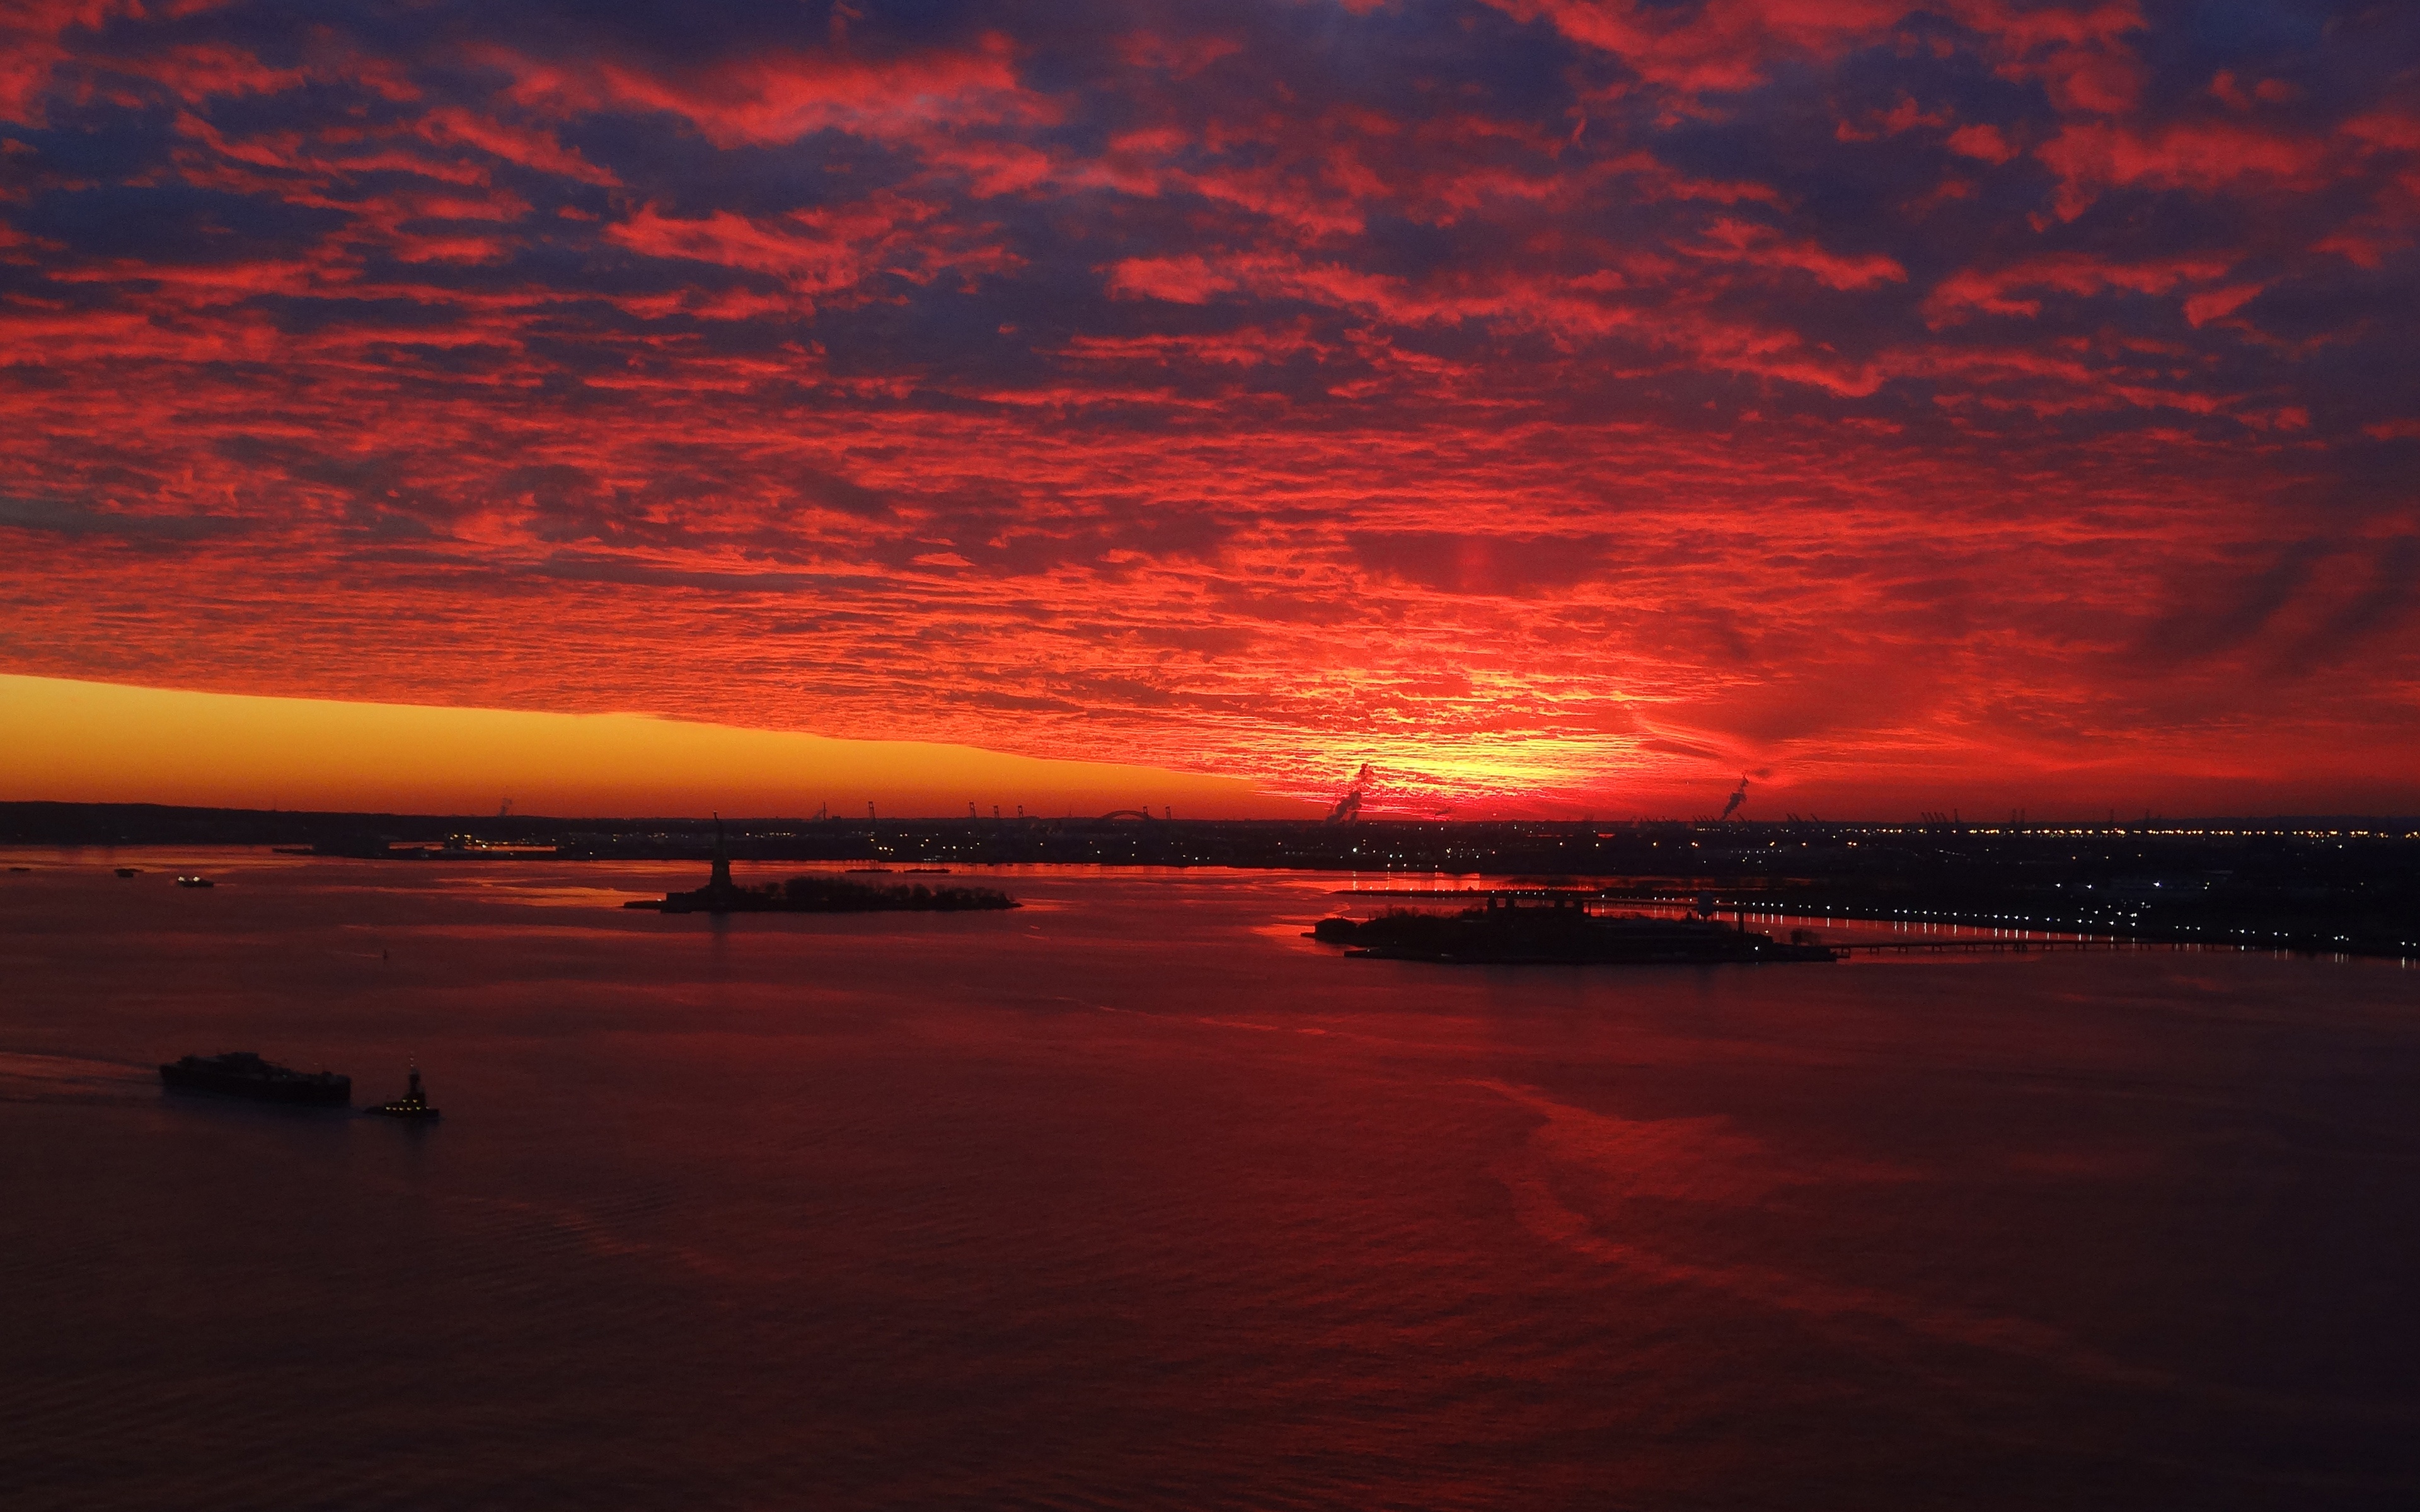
[130,871]
[241,1074]
[195,882]
[412,1104]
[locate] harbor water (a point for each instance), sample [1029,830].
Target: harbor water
[1136,1197]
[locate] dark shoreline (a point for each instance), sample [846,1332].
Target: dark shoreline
[828,895]
[1558,931]
[2338,885]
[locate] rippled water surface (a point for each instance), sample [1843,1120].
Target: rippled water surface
[1134,1197]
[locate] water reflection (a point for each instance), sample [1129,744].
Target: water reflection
[1136,1197]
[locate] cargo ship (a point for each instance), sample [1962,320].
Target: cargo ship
[1561,931]
[241,1074]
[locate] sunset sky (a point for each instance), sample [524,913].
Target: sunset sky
[1565,406]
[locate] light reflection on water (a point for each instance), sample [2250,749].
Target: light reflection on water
[1137,1198]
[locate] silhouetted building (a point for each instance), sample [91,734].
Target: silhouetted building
[721,881]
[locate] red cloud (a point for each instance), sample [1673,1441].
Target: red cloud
[1721,44]
[2219,303]
[1984,142]
[452,126]
[1238,404]
[1184,280]
[777,97]
[2206,157]
[1998,291]
[815,259]
[1738,241]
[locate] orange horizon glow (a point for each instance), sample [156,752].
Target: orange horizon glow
[98,743]
[78,742]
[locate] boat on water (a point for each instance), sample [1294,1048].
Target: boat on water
[243,1073]
[1559,931]
[130,871]
[195,882]
[412,1104]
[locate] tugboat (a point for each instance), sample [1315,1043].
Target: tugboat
[241,1074]
[412,1104]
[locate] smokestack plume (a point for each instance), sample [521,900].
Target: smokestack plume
[1348,807]
[1737,797]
